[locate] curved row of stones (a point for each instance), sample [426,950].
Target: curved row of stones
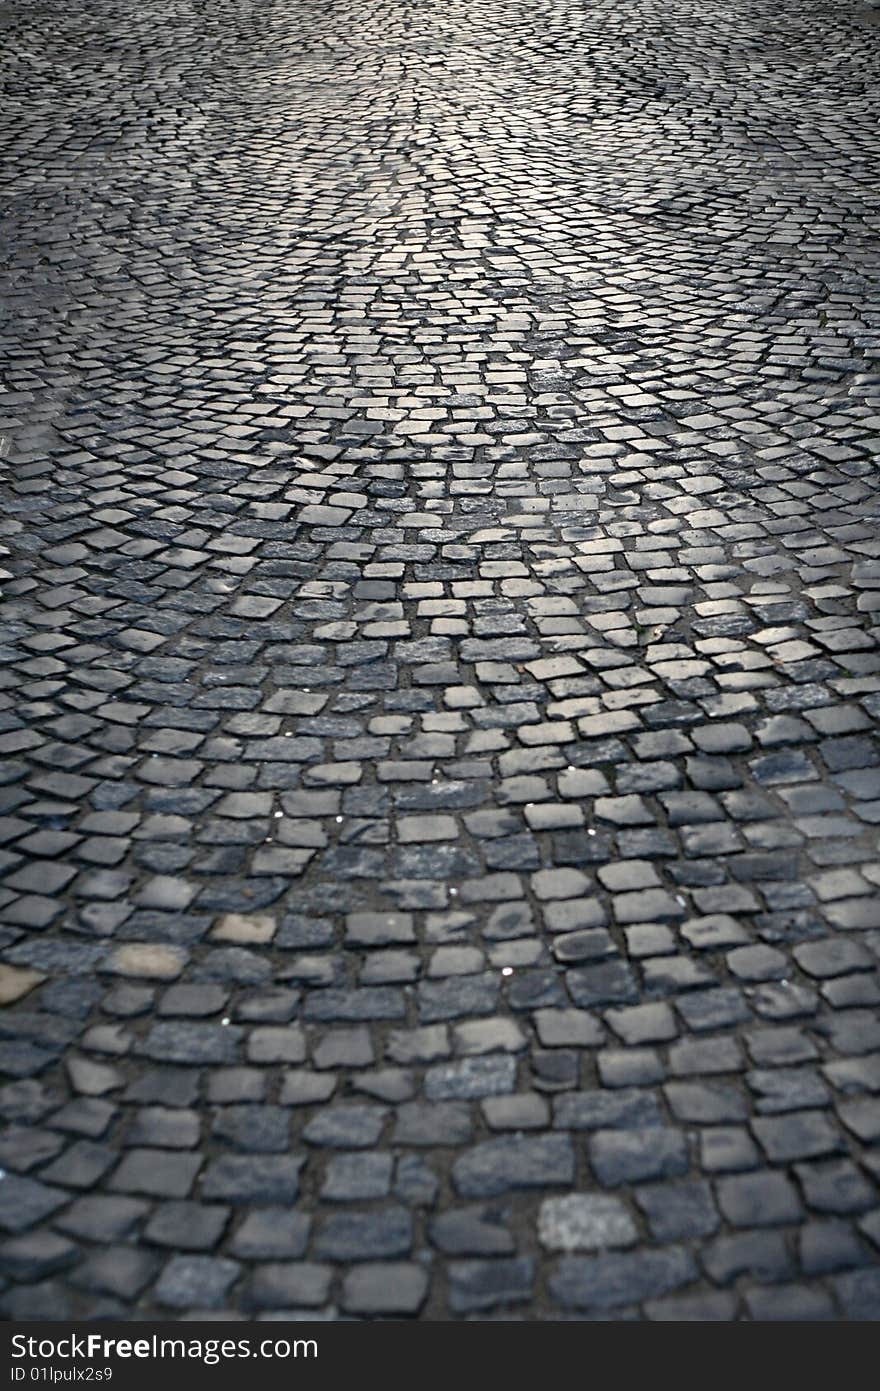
[439,764]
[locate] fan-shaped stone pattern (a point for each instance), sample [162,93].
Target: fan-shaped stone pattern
[438,736]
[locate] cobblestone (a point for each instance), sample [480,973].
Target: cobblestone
[439,774]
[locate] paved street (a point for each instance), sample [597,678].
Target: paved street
[440,549]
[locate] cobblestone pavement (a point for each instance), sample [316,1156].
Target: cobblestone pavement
[440,775]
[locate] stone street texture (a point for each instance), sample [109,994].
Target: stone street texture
[440,775]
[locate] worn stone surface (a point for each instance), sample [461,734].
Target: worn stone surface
[439,775]
[584,1222]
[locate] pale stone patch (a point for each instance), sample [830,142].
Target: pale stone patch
[253,928]
[17,981]
[152,960]
[584,1222]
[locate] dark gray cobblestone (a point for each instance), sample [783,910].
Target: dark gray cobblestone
[439,774]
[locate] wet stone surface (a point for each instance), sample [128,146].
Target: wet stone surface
[439,775]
